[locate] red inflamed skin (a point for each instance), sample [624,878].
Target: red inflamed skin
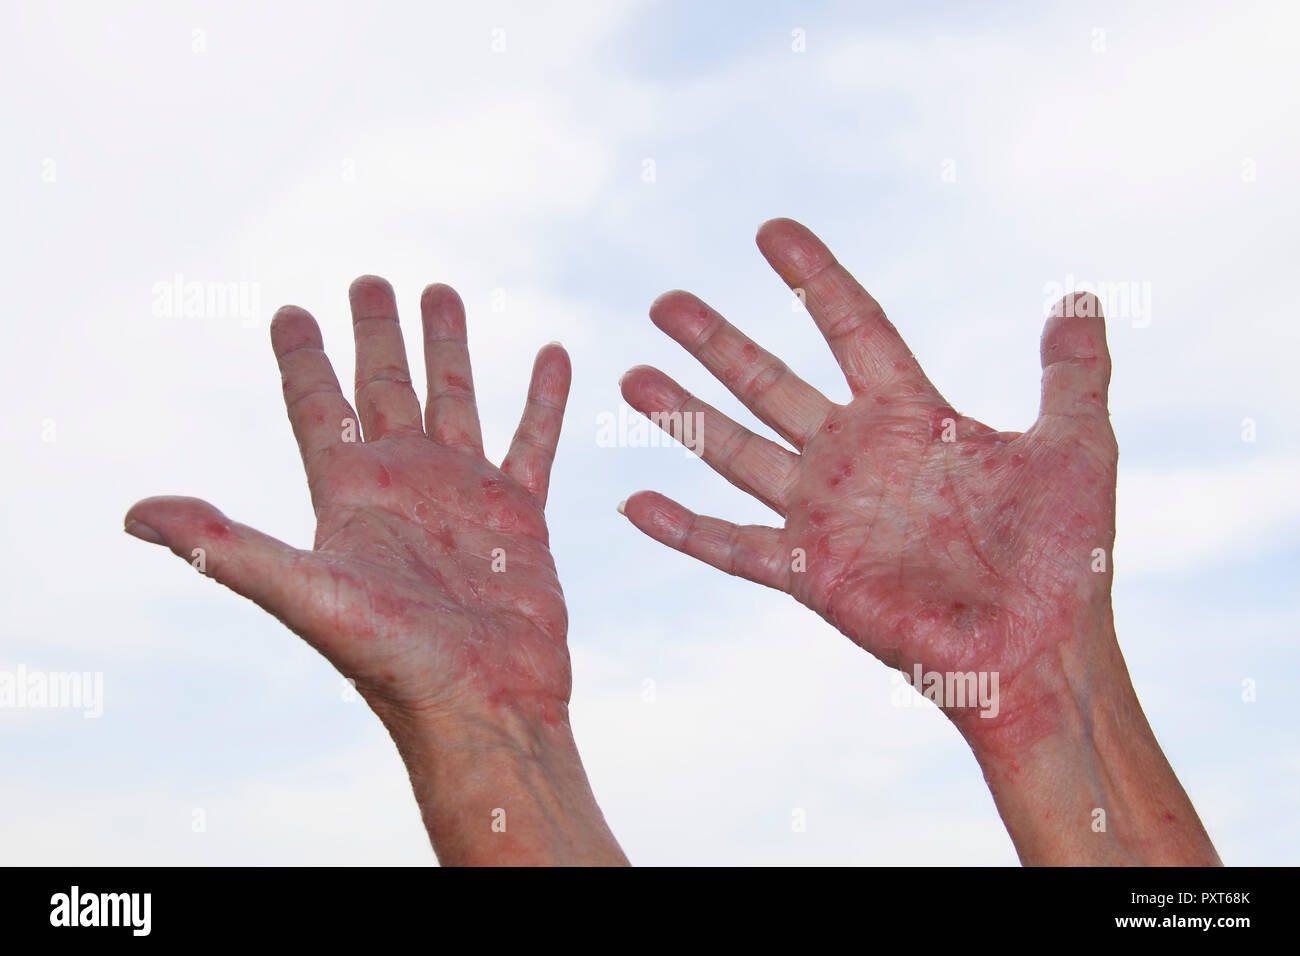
[940,545]
[430,584]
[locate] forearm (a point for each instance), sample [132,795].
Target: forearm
[1095,789]
[502,789]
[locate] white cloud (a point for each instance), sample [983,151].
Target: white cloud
[1175,520]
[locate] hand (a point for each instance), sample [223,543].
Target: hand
[431,583]
[399,592]
[926,537]
[929,539]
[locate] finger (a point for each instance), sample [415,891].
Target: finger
[864,342]
[1076,361]
[321,417]
[750,462]
[533,449]
[243,559]
[385,399]
[451,414]
[755,376]
[753,552]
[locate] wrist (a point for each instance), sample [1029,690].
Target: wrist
[503,786]
[1076,771]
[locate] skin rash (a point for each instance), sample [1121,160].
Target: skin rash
[930,539]
[927,538]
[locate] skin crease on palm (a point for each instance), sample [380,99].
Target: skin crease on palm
[926,537]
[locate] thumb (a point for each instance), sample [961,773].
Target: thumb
[1076,362]
[243,559]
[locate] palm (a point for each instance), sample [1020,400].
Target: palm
[404,547]
[430,584]
[925,536]
[939,552]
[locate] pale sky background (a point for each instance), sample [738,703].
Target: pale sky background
[305,144]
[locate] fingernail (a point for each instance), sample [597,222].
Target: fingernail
[622,505]
[555,342]
[142,531]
